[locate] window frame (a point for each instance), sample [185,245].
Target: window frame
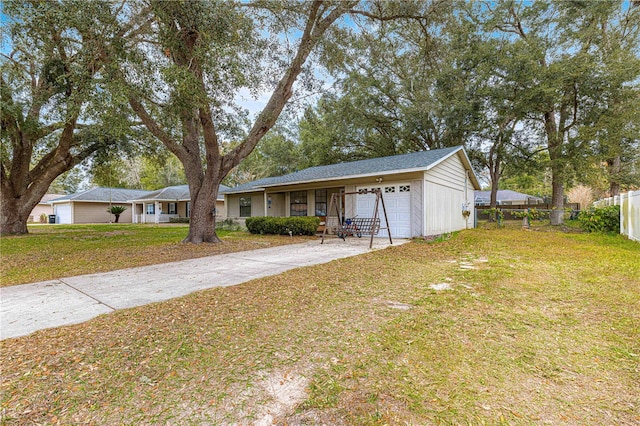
[320,202]
[297,201]
[242,208]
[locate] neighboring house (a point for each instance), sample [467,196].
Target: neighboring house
[506,197]
[43,207]
[170,202]
[424,193]
[91,206]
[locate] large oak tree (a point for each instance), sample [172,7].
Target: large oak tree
[55,109]
[184,79]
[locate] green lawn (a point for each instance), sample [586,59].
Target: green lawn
[56,251]
[492,326]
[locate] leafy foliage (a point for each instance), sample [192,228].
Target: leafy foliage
[603,219]
[531,214]
[57,110]
[117,210]
[178,220]
[306,225]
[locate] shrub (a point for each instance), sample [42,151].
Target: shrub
[178,220]
[44,218]
[581,194]
[116,211]
[306,225]
[229,225]
[604,219]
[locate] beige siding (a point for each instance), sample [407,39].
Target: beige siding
[417,213]
[444,197]
[350,202]
[257,204]
[38,210]
[97,213]
[182,209]
[278,205]
[221,213]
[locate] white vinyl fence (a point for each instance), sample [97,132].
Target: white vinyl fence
[629,212]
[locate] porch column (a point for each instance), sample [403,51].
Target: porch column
[265,198]
[157,212]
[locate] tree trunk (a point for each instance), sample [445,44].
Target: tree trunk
[202,224]
[555,140]
[614,167]
[557,200]
[495,159]
[16,207]
[117,218]
[13,220]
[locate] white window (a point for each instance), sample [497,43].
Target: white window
[389,189]
[405,188]
[151,209]
[173,208]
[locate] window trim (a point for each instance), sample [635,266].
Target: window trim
[293,202]
[247,204]
[317,203]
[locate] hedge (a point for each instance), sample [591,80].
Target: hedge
[604,219]
[178,220]
[298,225]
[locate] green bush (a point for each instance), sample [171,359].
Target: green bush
[304,225]
[229,225]
[604,219]
[178,220]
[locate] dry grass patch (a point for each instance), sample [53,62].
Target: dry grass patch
[544,329]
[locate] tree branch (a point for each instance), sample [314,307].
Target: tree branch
[154,127]
[314,29]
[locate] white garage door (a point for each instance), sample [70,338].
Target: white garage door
[63,213]
[397,200]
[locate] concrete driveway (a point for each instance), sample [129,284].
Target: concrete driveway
[30,307]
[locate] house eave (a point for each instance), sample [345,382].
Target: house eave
[464,158]
[329,179]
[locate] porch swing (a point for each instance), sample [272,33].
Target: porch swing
[356,226]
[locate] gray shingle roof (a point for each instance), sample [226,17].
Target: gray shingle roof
[46,198]
[397,163]
[120,195]
[172,193]
[117,195]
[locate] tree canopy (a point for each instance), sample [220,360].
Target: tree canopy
[523,85]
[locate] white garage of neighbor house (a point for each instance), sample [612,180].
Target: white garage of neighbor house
[91,206]
[425,193]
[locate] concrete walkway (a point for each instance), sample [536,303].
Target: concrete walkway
[30,307]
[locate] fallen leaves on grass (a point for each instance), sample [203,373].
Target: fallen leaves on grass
[521,339]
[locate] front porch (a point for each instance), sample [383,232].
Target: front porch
[159,212]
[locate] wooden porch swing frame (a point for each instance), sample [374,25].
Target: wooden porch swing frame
[355,225]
